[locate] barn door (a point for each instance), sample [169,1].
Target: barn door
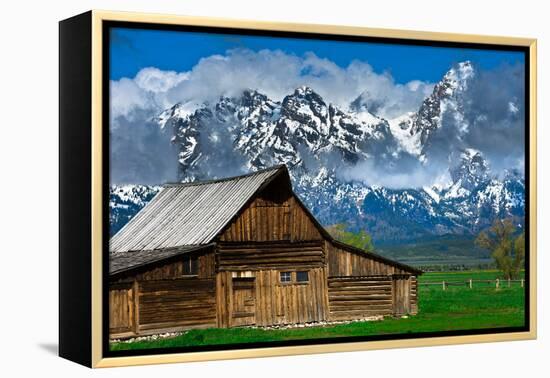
[401,289]
[244,302]
[121,309]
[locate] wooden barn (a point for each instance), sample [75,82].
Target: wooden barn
[243,251]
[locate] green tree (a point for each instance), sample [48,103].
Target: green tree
[507,251]
[360,239]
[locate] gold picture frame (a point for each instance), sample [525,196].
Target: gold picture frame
[92,25]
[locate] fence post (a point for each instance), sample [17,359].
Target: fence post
[522,282]
[497,283]
[509,282]
[443,285]
[470,283]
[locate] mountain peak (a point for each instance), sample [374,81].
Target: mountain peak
[253,93]
[180,110]
[458,77]
[470,154]
[251,97]
[306,107]
[470,168]
[361,103]
[303,90]
[446,97]
[306,94]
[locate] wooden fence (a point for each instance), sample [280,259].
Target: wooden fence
[498,283]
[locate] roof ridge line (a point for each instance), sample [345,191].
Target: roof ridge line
[214,181]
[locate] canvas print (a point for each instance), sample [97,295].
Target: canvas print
[279,189]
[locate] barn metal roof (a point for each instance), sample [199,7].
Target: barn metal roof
[189,214]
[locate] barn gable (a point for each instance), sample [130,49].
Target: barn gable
[275,213]
[346,260]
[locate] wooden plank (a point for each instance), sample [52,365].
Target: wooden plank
[346,263]
[244,301]
[121,307]
[135,309]
[272,280]
[356,297]
[176,301]
[222,299]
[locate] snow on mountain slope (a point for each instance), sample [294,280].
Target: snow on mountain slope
[125,201]
[318,140]
[401,129]
[264,132]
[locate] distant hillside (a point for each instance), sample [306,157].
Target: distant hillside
[449,252]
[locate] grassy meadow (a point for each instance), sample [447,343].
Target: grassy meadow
[457,308]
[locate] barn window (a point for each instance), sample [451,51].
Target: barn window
[190,265]
[286,277]
[302,276]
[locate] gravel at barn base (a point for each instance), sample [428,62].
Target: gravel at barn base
[168,335]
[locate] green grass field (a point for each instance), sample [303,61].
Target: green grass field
[457,308]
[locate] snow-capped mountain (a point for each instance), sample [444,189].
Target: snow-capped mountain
[253,132]
[125,201]
[320,141]
[466,205]
[416,129]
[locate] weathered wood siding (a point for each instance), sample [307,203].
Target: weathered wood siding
[274,302]
[358,297]
[122,308]
[342,262]
[264,256]
[290,303]
[274,215]
[244,301]
[177,304]
[224,299]
[154,306]
[402,295]
[414,295]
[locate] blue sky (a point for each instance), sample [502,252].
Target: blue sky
[134,49]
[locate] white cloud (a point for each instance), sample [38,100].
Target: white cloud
[126,97]
[512,108]
[154,80]
[411,174]
[272,72]
[147,92]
